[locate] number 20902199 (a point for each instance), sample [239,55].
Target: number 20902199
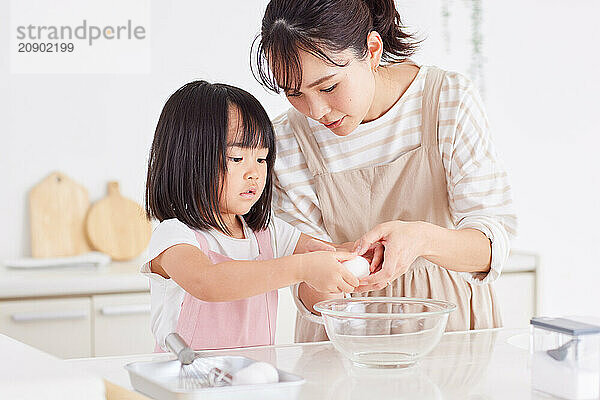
[25,47]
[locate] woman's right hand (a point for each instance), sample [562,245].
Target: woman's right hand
[323,271]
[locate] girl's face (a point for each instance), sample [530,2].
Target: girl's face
[246,174]
[338,97]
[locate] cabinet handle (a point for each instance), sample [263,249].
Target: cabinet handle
[126,309]
[48,315]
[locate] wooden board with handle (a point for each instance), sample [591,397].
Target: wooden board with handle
[118,226]
[116,392]
[57,211]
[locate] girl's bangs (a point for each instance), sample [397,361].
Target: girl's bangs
[253,130]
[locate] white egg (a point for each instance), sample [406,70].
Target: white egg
[359,266]
[256,373]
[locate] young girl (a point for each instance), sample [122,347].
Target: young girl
[218,256]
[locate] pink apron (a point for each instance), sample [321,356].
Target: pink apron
[218,325]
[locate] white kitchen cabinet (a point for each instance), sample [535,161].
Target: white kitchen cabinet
[58,326]
[286,317]
[122,324]
[516,293]
[517,289]
[77,312]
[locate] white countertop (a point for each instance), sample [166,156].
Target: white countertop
[28,373]
[486,364]
[116,277]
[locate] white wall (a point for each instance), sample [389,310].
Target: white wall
[545,109]
[541,63]
[99,127]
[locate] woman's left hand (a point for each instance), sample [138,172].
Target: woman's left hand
[402,243]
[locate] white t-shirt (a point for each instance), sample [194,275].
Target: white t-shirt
[166,296]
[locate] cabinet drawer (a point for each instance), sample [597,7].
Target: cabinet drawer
[122,324]
[286,317]
[516,295]
[57,326]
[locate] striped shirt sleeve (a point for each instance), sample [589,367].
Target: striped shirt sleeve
[479,193]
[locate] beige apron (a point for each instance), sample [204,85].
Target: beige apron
[410,188]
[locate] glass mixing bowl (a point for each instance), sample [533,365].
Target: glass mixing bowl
[385,332]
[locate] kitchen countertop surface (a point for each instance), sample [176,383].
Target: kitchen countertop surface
[115,277]
[485,364]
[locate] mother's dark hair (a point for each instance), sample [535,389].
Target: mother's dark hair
[323,27]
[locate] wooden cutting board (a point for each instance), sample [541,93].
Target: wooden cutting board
[57,209]
[118,226]
[116,392]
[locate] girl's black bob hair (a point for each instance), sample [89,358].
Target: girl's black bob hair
[187,162]
[323,28]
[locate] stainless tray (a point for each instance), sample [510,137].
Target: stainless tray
[161,381]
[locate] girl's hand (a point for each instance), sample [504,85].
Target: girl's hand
[374,254]
[323,271]
[402,242]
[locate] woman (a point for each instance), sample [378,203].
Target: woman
[376,144]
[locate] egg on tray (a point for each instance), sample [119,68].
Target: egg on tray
[255,374]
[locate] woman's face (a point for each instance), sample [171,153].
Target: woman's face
[337,97]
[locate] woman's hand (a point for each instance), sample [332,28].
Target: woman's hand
[374,254]
[313,244]
[347,246]
[323,271]
[401,242]
[307,244]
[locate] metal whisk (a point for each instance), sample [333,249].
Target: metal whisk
[195,371]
